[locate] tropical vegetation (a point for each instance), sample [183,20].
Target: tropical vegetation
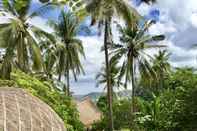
[17,37]
[69,49]
[163,97]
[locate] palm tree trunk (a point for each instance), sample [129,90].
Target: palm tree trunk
[67,72]
[68,83]
[109,87]
[133,90]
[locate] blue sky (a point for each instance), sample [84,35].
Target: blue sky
[177,19]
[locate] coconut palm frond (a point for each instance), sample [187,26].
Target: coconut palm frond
[129,14]
[20,37]
[41,11]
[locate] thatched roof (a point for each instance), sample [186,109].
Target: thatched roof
[20,111]
[88,112]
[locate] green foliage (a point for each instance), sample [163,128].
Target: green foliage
[102,104]
[101,77]
[17,36]
[61,104]
[101,10]
[184,82]
[121,113]
[174,108]
[134,42]
[156,114]
[161,67]
[69,49]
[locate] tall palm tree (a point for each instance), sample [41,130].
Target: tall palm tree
[17,36]
[134,43]
[102,12]
[69,49]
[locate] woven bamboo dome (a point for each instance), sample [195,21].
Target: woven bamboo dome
[20,111]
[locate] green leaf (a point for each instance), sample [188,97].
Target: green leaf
[158,37]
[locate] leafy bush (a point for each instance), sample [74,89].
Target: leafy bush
[121,113]
[184,82]
[61,104]
[156,114]
[175,109]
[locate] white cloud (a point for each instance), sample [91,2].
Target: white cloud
[3,20]
[194,20]
[160,28]
[178,21]
[144,9]
[92,65]
[41,23]
[92,46]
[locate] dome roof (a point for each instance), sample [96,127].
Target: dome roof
[20,111]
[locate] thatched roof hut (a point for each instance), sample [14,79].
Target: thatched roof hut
[20,111]
[88,112]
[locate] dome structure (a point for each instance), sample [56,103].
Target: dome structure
[20,111]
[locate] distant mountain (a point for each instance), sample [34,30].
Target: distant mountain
[95,95]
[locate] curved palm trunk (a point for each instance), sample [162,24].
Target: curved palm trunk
[109,87]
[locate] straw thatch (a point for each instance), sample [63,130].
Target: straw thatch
[88,112]
[20,111]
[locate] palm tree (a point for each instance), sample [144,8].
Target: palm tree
[161,66]
[132,51]
[47,44]
[101,77]
[69,49]
[17,36]
[102,12]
